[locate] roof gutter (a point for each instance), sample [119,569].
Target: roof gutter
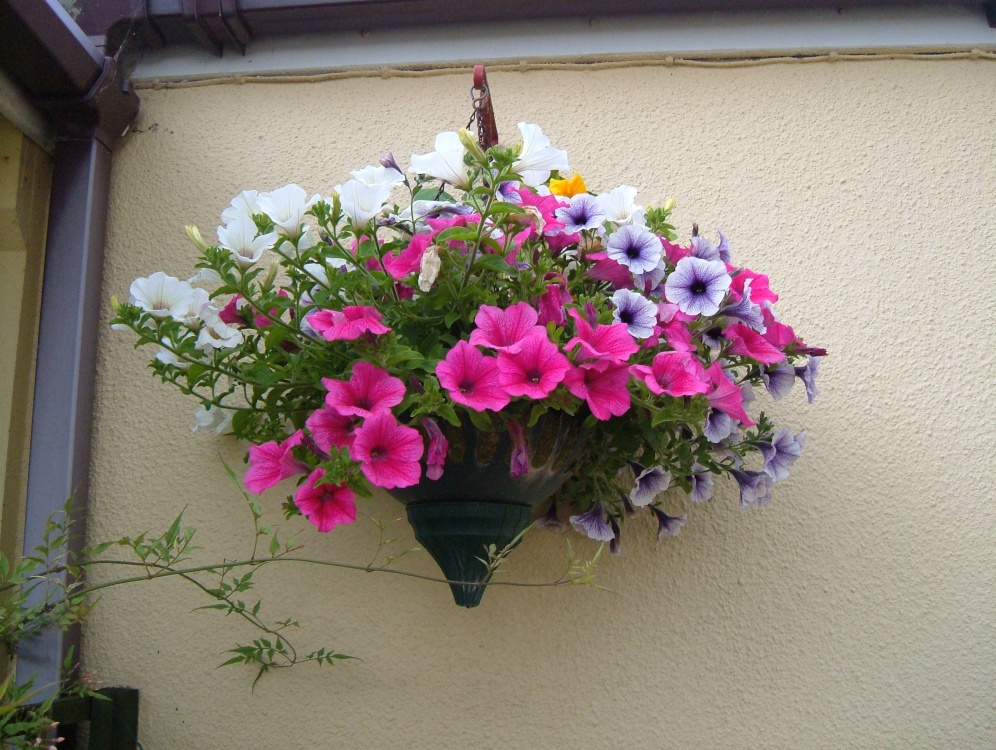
[233,24]
[91,105]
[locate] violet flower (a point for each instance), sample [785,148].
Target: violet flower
[594,524]
[807,373]
[702,484]
[636,248]
[718,426]
[549,520]
[583,213]
[649,484]
[697,286]
[755,487]
[778,380]
[781,453]
[637,312]
[615,547]
[668,525]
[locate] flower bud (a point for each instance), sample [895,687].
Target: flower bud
[669,204]
[388,161]
[195,236]
[470,143]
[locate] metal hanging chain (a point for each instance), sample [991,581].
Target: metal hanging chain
[484,113]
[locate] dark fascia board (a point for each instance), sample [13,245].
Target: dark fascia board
[234,23]
[45,51]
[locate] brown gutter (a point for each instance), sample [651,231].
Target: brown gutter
[232,24]
[91,105]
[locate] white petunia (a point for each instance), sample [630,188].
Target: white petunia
[239,238]
[537,158]
[286,207]
[167,357]
[216,419]
[620,206]
[377,176]
[166,296]
[445,163]
[244,204]
[205,276]
[216,333]
[429,269]
[361,202]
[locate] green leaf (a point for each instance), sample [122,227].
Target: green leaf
[480,420]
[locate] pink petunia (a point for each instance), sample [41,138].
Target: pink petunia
[271,463]
[349,324]
[552,301]
[534,371]
[603,386]
[674,252]
[471,378]
[780,335]
[673,373]
[325,505]
[409,260]
[749,343]
[369,390]
[506,329]
[606,269]
[726,396]
[328,427]
[610,342]
[438,447]
[519,459]
[760,292]
[388,452]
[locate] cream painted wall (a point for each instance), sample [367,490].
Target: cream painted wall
[856,611]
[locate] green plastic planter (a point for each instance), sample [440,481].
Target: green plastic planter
[476,503]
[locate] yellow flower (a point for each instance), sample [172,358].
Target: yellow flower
[570,187]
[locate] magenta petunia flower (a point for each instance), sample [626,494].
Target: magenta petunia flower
[760,292]
[673,373]
[519,459]
[552,301]
[409,260]
[610,342]
[369,390]
[726,395]
[506,329]
[749,343]
[349,324]
[328,427]
[602,385]
[471,378]
[438,447]
[271,463]
[534,371]
[604,268]
[389,453]
[325,505]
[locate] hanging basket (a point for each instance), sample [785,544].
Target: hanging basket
[476,503]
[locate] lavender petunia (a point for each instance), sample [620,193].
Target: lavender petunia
[650,282]
[508,192]
[697,286]
[724,248]
[781,453]
[704,249]
[702,484]
[755,487]
[668,525]
[649,484]
[636,248]
[779,379]
[807,373]
[549,520]
[718,426]
[583,213]
[745,311]
[637,312]
[594,524]
[615,546]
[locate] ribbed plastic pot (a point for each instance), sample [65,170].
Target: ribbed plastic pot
[476,503]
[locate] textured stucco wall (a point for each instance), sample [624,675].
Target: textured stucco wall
[856,611]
